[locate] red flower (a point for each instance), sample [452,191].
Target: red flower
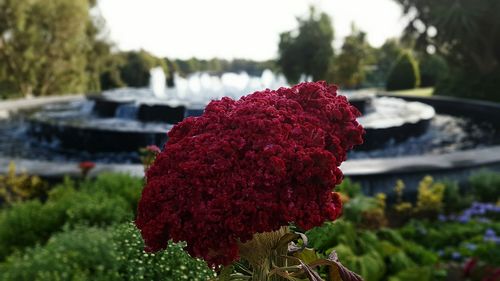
[249,166]
[86,165]
[153,149]
[469,266]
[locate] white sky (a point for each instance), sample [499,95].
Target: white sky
[236,28]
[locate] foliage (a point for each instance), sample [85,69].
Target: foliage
[254,68]
[430,197]
[170,264]
[349,66]
[454,200]
[347,186]
[44,45]
[486,185]
[384,58]
[376,255]
[433,68]
[466,34]
[135,71]
[404,73]
[466,31]
[18,187]
[111,198]
[310,51]
[102,254]
[466,83]
[81,254]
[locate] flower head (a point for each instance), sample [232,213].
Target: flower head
[153,149]
[249,166]
[86,167]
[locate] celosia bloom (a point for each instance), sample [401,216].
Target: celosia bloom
[249,166]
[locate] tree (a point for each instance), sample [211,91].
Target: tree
[135,71]
[310,52]
[404,73]
[43,45]
[467,34]
[102,67]
[433,68]
[349,66]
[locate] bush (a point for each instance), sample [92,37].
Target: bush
[454,200]
[404,73]
[25,224]
[486,186]
[171,264]
[433,68]
[16,187]
[109,199]
[116,185]
[350,188]
[430,197]
[375,255]
[81,254]
[102,254]
[471,85]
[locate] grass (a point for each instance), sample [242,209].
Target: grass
[422,92]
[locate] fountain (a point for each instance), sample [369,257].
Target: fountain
[403,135]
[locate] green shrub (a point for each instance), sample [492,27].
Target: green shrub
[470,84]
[374,255]
[454,200]
[404,73]
[80,254]
[433,68]
[486,185]
[15,187]
[25,224]
[102,254]
[414,274]
[439,235]
[352,189]
[171,264]
[115,184]
[107,200]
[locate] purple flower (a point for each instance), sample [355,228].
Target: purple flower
[456,256]
[471,246]
[490,233]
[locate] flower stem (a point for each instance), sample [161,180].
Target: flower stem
[263,253]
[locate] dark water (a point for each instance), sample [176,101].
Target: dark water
[446,134]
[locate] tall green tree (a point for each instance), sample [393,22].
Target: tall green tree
[350,65]
[387,55]
[404,74]
[467,35]
[307,50]
[43,45]
[134,72]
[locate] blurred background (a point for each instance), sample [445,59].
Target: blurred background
[89,88]
[53,47]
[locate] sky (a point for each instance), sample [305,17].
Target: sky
[236,28]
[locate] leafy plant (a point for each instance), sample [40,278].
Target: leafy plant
[430,197]
[16,187]
[454,200]
[486,185]
[109,199]
[170,264]
[102,254]
[404,74]
[347,186]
